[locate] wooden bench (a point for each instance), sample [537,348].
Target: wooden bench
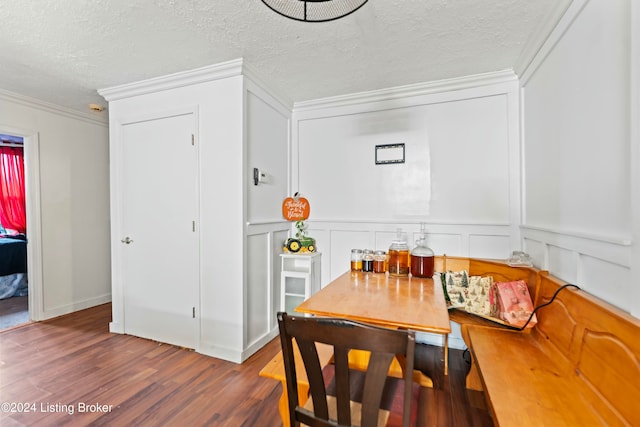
[578,366]
[501,272]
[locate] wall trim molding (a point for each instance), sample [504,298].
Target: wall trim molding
[417,89]
[611,250]
[619,241]
[205,74]
[529,68]
[93,118]
[331,222]
[223,70]
[539,37]
[258,81]
[76,306]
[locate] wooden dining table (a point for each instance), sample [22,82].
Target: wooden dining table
[384,300]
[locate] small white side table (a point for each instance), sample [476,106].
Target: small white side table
[299,280]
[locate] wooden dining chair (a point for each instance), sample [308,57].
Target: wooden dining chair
[340,396]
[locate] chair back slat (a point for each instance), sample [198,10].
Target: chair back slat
[374,386]
[344,335]
[343,390]
[309,354]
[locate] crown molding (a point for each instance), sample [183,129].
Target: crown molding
[278,95]
[539,37]
[543,45]
[94,118]
[172,81]
[417,89]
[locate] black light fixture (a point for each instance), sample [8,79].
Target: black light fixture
[314,10]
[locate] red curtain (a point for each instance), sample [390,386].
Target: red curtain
[12,196]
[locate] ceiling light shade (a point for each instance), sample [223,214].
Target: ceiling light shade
[314,10]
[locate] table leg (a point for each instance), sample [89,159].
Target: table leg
[446,354]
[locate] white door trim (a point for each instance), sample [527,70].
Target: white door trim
[34,218]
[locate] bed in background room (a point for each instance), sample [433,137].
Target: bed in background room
[13,266]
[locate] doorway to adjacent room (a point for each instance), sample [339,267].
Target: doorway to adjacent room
[14,301]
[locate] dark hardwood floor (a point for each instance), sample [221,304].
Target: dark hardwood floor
[71,371]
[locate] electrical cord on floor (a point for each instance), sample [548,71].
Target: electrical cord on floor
[543,305]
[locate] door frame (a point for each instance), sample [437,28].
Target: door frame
[34,218]
[116,152]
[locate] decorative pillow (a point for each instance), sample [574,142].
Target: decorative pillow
[470,293]
[514,302]
[456,283]
[477,297]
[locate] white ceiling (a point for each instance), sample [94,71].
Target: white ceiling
[62,51]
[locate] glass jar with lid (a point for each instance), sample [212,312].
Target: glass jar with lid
[367,260]
[399,256]
[379,261]
[356,259]
[422,257]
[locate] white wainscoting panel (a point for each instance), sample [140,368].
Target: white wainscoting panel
[563,263]
[263,266]
[258,287]
[336,239]
[600,267]
[537,250]
[611,282]
[339,254]
[445,243]
[489,246]
[278,237]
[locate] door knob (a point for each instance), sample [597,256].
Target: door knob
[127,240]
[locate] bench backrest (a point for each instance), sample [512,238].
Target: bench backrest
[596,342]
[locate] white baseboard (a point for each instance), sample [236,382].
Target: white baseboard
[75,306]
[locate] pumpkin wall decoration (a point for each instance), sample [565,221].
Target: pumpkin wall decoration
[297,209]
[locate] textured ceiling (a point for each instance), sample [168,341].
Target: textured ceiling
[63,51]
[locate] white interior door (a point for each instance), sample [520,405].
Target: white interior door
[159,240]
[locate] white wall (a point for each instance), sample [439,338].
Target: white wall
[578,220]
[461,175]
[67,162]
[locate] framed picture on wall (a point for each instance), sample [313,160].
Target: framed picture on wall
[389,153]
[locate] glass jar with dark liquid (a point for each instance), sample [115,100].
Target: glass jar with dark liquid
[422,258]
[367,260]
[399,258]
